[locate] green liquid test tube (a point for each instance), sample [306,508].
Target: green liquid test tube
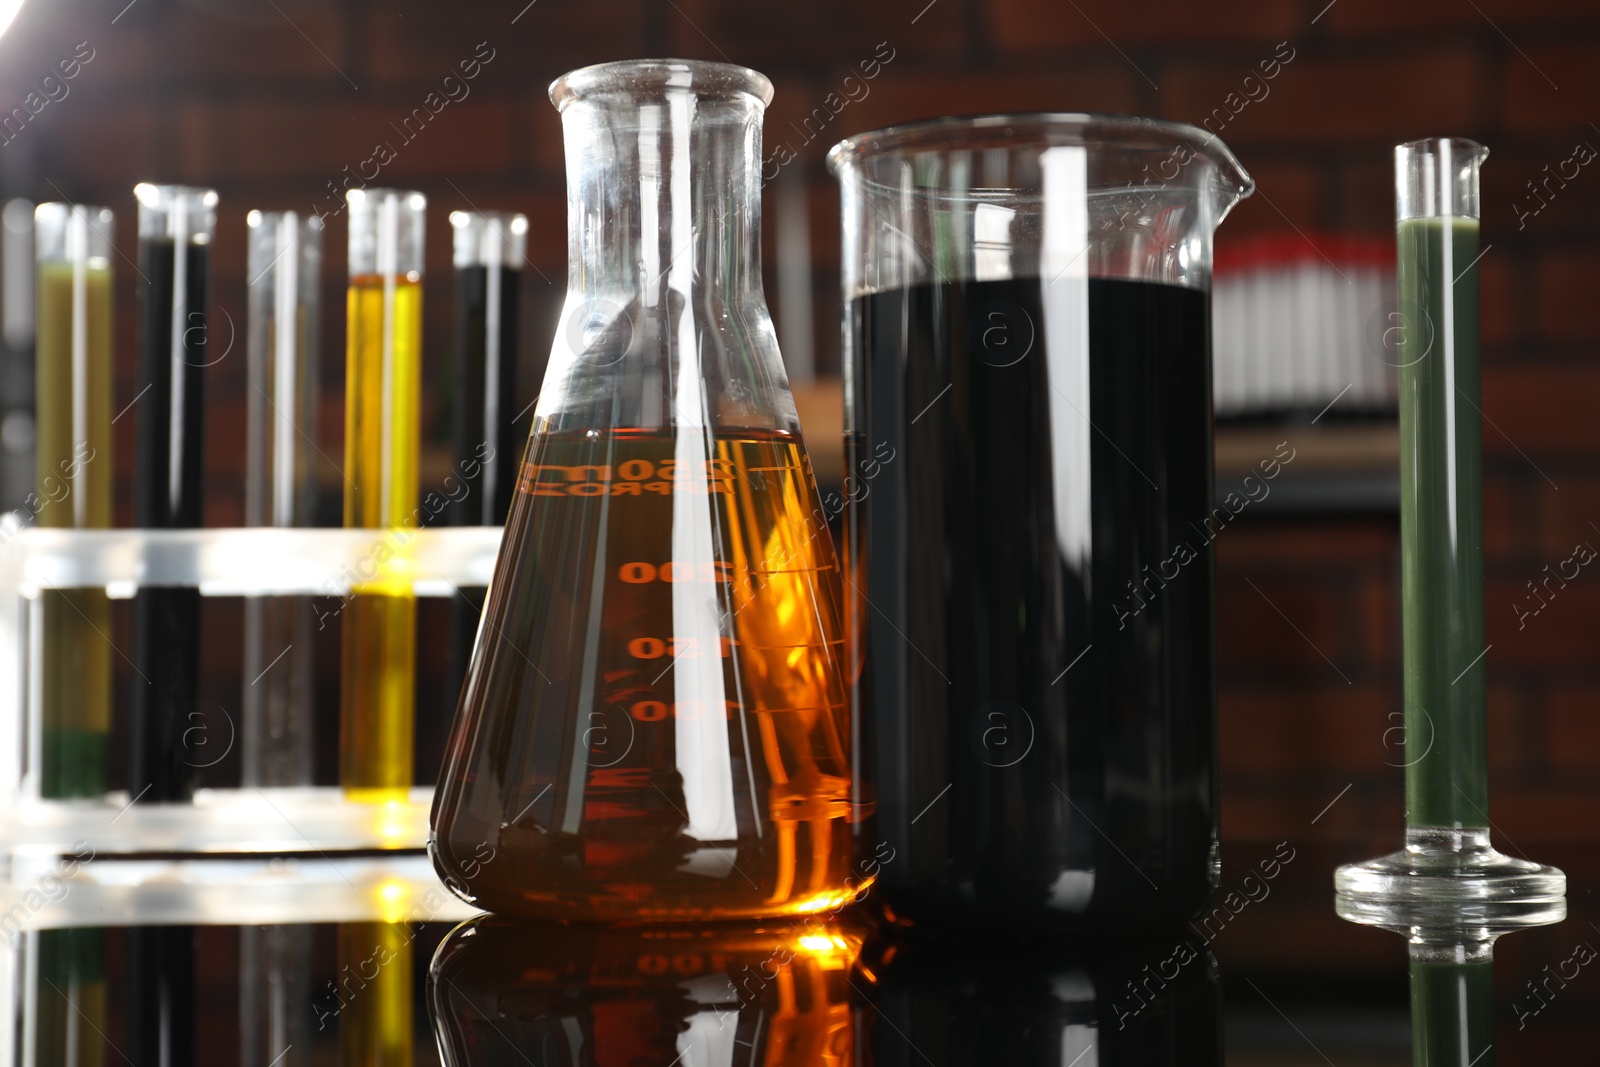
[1441,517]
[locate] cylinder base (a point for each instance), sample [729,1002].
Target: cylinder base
[1450,886]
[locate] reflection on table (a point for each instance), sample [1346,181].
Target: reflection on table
[703,996]
[981,1004]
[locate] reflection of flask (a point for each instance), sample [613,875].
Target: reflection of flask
[569,995]
[73,450]
[653,724]
[1039,1005]
[383,385]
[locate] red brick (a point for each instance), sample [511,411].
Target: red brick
[472,136]
[113,145]
[1245,547]
[1382,17]
[1365,193]
[1564,292]
[418,43]
[1574,730]
[1287,194]
[1539,410]
[1562,207]
[1532,97]
[301,42]
[536,143]
[1318,102]
[1284,733]
[1562,519]
[903,94]
[46,33]
[842,30]
[1029,25]
[793,100]
[1283,807]
[1503,296]
[1523,817]
[1379,611]
[1559,634]
[1508,517]
[1516,750]
[1282,623]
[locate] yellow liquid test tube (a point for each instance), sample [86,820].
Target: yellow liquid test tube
[382,440]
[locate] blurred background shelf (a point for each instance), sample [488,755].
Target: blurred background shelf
[1338,468]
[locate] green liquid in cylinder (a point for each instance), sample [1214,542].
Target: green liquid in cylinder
[1441,524]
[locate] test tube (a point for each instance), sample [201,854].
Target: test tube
[382,397]
[175,230]
[284,271]
[490,249]
[18,272]
[72,447]
[74,473]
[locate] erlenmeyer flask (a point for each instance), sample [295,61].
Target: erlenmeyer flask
[653,724]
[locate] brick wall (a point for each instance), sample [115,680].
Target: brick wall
[269,101]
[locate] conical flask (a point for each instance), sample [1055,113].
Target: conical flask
[653,725]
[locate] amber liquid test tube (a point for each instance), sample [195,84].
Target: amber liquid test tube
[73,458]
[284,271]
[490,249]
[383,382]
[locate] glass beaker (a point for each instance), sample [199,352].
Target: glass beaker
[1030,518]
[653,724]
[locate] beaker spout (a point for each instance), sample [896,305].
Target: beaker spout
[1437,178]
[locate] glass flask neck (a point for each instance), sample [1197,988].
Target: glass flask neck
[663,194]
[664,252]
